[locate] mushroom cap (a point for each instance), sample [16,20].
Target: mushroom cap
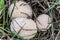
[22,9]
[25,27]
[43,22]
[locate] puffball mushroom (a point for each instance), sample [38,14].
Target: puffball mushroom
[21,10]
[43,22]
[24,27]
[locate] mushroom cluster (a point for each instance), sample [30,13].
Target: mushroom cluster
[22,22]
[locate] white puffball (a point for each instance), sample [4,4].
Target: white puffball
[27,27]
[21,10]
[43,21]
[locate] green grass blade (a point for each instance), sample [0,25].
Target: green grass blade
[14,34]
[12,9]
[3,11]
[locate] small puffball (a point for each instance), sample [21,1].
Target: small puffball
[21,10]
[25,27]
[43,22]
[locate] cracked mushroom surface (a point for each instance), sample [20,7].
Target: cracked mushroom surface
[21,10]
[24,27]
